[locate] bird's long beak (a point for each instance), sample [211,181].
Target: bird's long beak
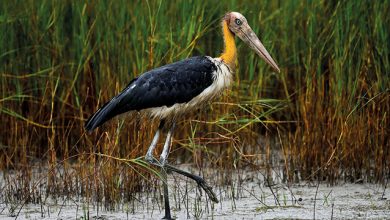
[247,35]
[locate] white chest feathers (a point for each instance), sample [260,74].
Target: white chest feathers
[222,79]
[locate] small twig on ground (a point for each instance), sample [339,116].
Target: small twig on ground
[327,196]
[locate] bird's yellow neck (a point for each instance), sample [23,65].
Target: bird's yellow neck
[230,51]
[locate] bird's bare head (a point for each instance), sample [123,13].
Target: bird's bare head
[238,24]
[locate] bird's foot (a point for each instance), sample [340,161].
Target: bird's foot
[199,180]
[208,189]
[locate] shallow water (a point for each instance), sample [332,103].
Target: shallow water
[246,197]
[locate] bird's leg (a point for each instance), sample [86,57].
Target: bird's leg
[149,155]
[150,158]
[167,209]
[165,152]
[167,167]
[163,162]
[199,180]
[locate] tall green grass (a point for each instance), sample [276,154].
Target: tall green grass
[61,60]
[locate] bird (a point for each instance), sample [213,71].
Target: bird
[168,92]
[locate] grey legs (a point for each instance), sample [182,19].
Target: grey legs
[164,155]
[166,194]
[149,155]
[167,144]
[166,167]
[163,161]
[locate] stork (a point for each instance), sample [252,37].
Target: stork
[168,92]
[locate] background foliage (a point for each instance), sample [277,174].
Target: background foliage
[328,109]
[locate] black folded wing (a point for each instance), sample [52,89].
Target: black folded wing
[178,82]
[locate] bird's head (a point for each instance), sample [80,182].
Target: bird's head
[239,26]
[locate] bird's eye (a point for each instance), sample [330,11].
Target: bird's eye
[238,22]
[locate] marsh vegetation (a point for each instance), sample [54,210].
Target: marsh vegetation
[326,114]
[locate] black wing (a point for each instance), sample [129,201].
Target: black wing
[178,82]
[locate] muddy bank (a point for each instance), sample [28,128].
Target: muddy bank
[246,197]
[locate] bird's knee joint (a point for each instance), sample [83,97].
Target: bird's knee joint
[163,162]
[150,159]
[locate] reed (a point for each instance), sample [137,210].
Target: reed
[60,60]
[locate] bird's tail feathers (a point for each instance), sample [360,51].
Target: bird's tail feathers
[102,115]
